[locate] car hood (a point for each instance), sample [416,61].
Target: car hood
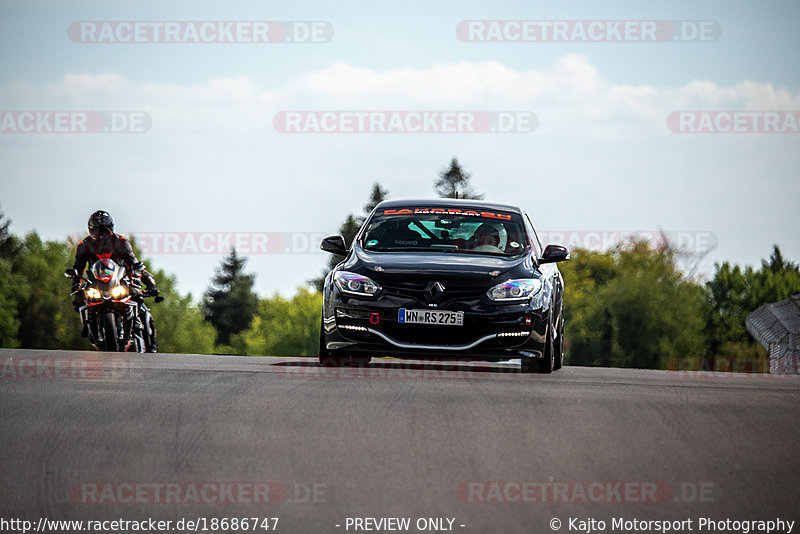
[467,269]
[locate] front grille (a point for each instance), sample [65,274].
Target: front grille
[417,292]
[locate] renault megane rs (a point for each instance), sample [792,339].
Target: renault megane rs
[444,279]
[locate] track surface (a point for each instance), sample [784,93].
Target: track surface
[402,439]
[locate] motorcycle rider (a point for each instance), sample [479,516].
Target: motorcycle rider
[103,244]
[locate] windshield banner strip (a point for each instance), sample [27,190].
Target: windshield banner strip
[448,211]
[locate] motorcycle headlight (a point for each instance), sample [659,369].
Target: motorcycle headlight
[515,290]
[118,292]
[355,284]
[93,294]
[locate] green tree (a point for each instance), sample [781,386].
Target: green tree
[631,307]
[454,182]
[230,303]
[13,291]
[584,276]
[9,244]
[179,322]
[47,319]
[734,292]
[283,327]
[13,287]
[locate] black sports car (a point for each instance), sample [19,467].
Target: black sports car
[444,279]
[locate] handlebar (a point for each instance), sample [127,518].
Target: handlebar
[133,283]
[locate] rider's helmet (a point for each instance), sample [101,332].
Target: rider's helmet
[104,270]
[100,223]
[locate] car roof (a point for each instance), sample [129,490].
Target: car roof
[447,203]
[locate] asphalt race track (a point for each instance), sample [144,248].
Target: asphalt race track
[113,436]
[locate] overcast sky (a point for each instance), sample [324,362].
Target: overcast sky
[592,153]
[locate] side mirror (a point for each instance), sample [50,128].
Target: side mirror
[72,273]
[159,298]
[334,244]
[554,253]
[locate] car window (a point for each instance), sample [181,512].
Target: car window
[496,234]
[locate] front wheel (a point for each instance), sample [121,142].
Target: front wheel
[548,361]
[325,358]
[559,345]
[529,365]
[108,325]
[148,336]
[152,345]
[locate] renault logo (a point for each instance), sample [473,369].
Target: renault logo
[433,292]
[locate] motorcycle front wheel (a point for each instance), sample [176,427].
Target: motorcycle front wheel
[110,337]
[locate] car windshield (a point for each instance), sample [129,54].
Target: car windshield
[445,230]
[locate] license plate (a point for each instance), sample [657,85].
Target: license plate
[444,318]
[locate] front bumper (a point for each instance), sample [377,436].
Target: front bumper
[490,331]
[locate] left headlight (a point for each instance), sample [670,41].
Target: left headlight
[355,284]
[118,292]
[515,290]
[93,294]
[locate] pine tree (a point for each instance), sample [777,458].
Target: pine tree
[349,229]
[378,195]
[9,245]
[776,263]
[229,303]
[454,183]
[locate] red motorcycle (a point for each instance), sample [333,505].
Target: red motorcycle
[112,301]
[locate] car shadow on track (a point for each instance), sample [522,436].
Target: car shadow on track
[392,368]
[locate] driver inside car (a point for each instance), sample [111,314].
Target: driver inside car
[486,235]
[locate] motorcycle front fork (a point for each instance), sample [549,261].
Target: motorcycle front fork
[128,319]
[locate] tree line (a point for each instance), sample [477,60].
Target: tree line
[631,306]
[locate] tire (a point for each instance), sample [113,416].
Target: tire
[325,358]
[559,346]
[151,344]
[529,365]
[148,336]
[547,363]
[110,336]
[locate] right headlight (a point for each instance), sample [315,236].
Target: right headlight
[355,284]
[515,290]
